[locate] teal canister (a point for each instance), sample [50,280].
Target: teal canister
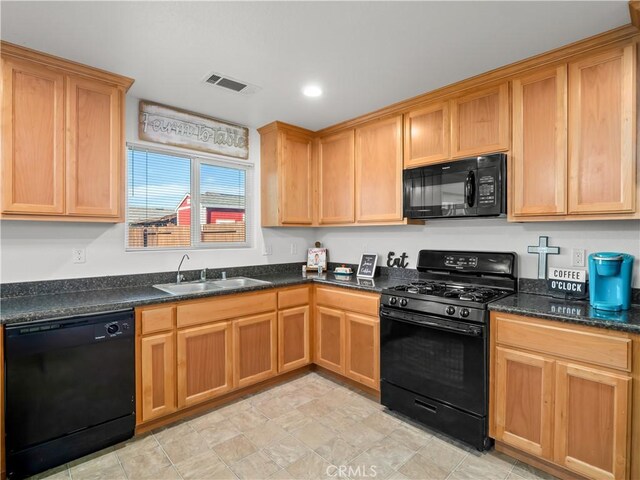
[610,275]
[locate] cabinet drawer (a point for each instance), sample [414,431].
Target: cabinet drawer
[573,343]
[222,308]
[293,297]
[366,303]
[157,319]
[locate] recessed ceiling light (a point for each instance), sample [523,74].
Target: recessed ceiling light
[312,91]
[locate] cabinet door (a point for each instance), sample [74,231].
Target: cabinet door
[255,349]
[362,350]
[296,175]
[592,421]
[602,122]
[32,138]
[336,171]
[330,339]
[523,401]
[204,363]
[94,148]
[379,171]
[293,338]
[426,135]
[480,122]
[539,154]
[158,375]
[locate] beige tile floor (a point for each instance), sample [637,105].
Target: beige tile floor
[309,428]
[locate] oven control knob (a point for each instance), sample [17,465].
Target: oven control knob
[393,300]
[113,328]
[450,310]
[464,313]
[403,302]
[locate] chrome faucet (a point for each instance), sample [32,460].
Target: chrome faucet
[180,278]
[224,275]
[203,275]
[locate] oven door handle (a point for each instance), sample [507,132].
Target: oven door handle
[462,329]
[470,189]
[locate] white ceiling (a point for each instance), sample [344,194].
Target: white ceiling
[366,55]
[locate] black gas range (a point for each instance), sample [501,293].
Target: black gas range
[434,340]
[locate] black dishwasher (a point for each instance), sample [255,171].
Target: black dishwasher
[70,389]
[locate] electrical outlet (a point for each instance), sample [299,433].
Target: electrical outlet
[78,255]
[578,257]
[365,248]
[266,249]
[294,249]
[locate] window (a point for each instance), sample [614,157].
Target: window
[175,201]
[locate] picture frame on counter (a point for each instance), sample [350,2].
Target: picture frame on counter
[367,265]
[317,257]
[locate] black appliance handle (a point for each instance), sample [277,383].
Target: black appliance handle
[432,322]
[470,188]
[426,406]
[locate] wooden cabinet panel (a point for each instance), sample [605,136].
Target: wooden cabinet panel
[293,338]
[157,319]
[32,138]
[336,184]
[94,148]
[539,153]
[524,395]
[255,349]
[480,122]
[340,298]
[204,363]
[600,349]
[330,339]
[362,352]
[427,135]
[378,158]
[296,192]
[592,421]
[293,297]
[158,375]
[223,308]
[602,123]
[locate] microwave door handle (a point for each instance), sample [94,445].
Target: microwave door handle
[470,189]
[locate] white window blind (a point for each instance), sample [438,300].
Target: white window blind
[176,201]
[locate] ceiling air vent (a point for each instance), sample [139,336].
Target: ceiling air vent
[231,84]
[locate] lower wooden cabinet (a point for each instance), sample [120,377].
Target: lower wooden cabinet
[563,394]
[362,350]
[293,338]
[591,421]
[157,375]
[255,349]
[330,339]
[204,359]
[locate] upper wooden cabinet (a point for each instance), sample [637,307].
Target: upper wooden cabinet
[480,121]
[602,126]
[378,159]
[427,135]
[336,178]
[62,139]
[287,175]
[539,153]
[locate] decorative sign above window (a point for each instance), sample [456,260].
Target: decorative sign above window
[172,126]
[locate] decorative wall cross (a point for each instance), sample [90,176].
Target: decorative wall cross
[543,249]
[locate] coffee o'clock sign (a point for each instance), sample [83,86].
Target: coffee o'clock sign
[181,128]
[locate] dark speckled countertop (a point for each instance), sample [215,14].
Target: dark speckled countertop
[578,312]
[41,307]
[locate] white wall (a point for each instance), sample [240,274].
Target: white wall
[346,244]
[42,250]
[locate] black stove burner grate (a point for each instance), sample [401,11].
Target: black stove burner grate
[467,293]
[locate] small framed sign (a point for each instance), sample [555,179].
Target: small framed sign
[367,265]
[567,281]
[316,257]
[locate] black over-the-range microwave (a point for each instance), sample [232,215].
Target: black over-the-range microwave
[471,187]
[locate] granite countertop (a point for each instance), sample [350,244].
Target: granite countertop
[576,311]
[42,307]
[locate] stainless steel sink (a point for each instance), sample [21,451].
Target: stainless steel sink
[188,287]
[209,286]
[239,282]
